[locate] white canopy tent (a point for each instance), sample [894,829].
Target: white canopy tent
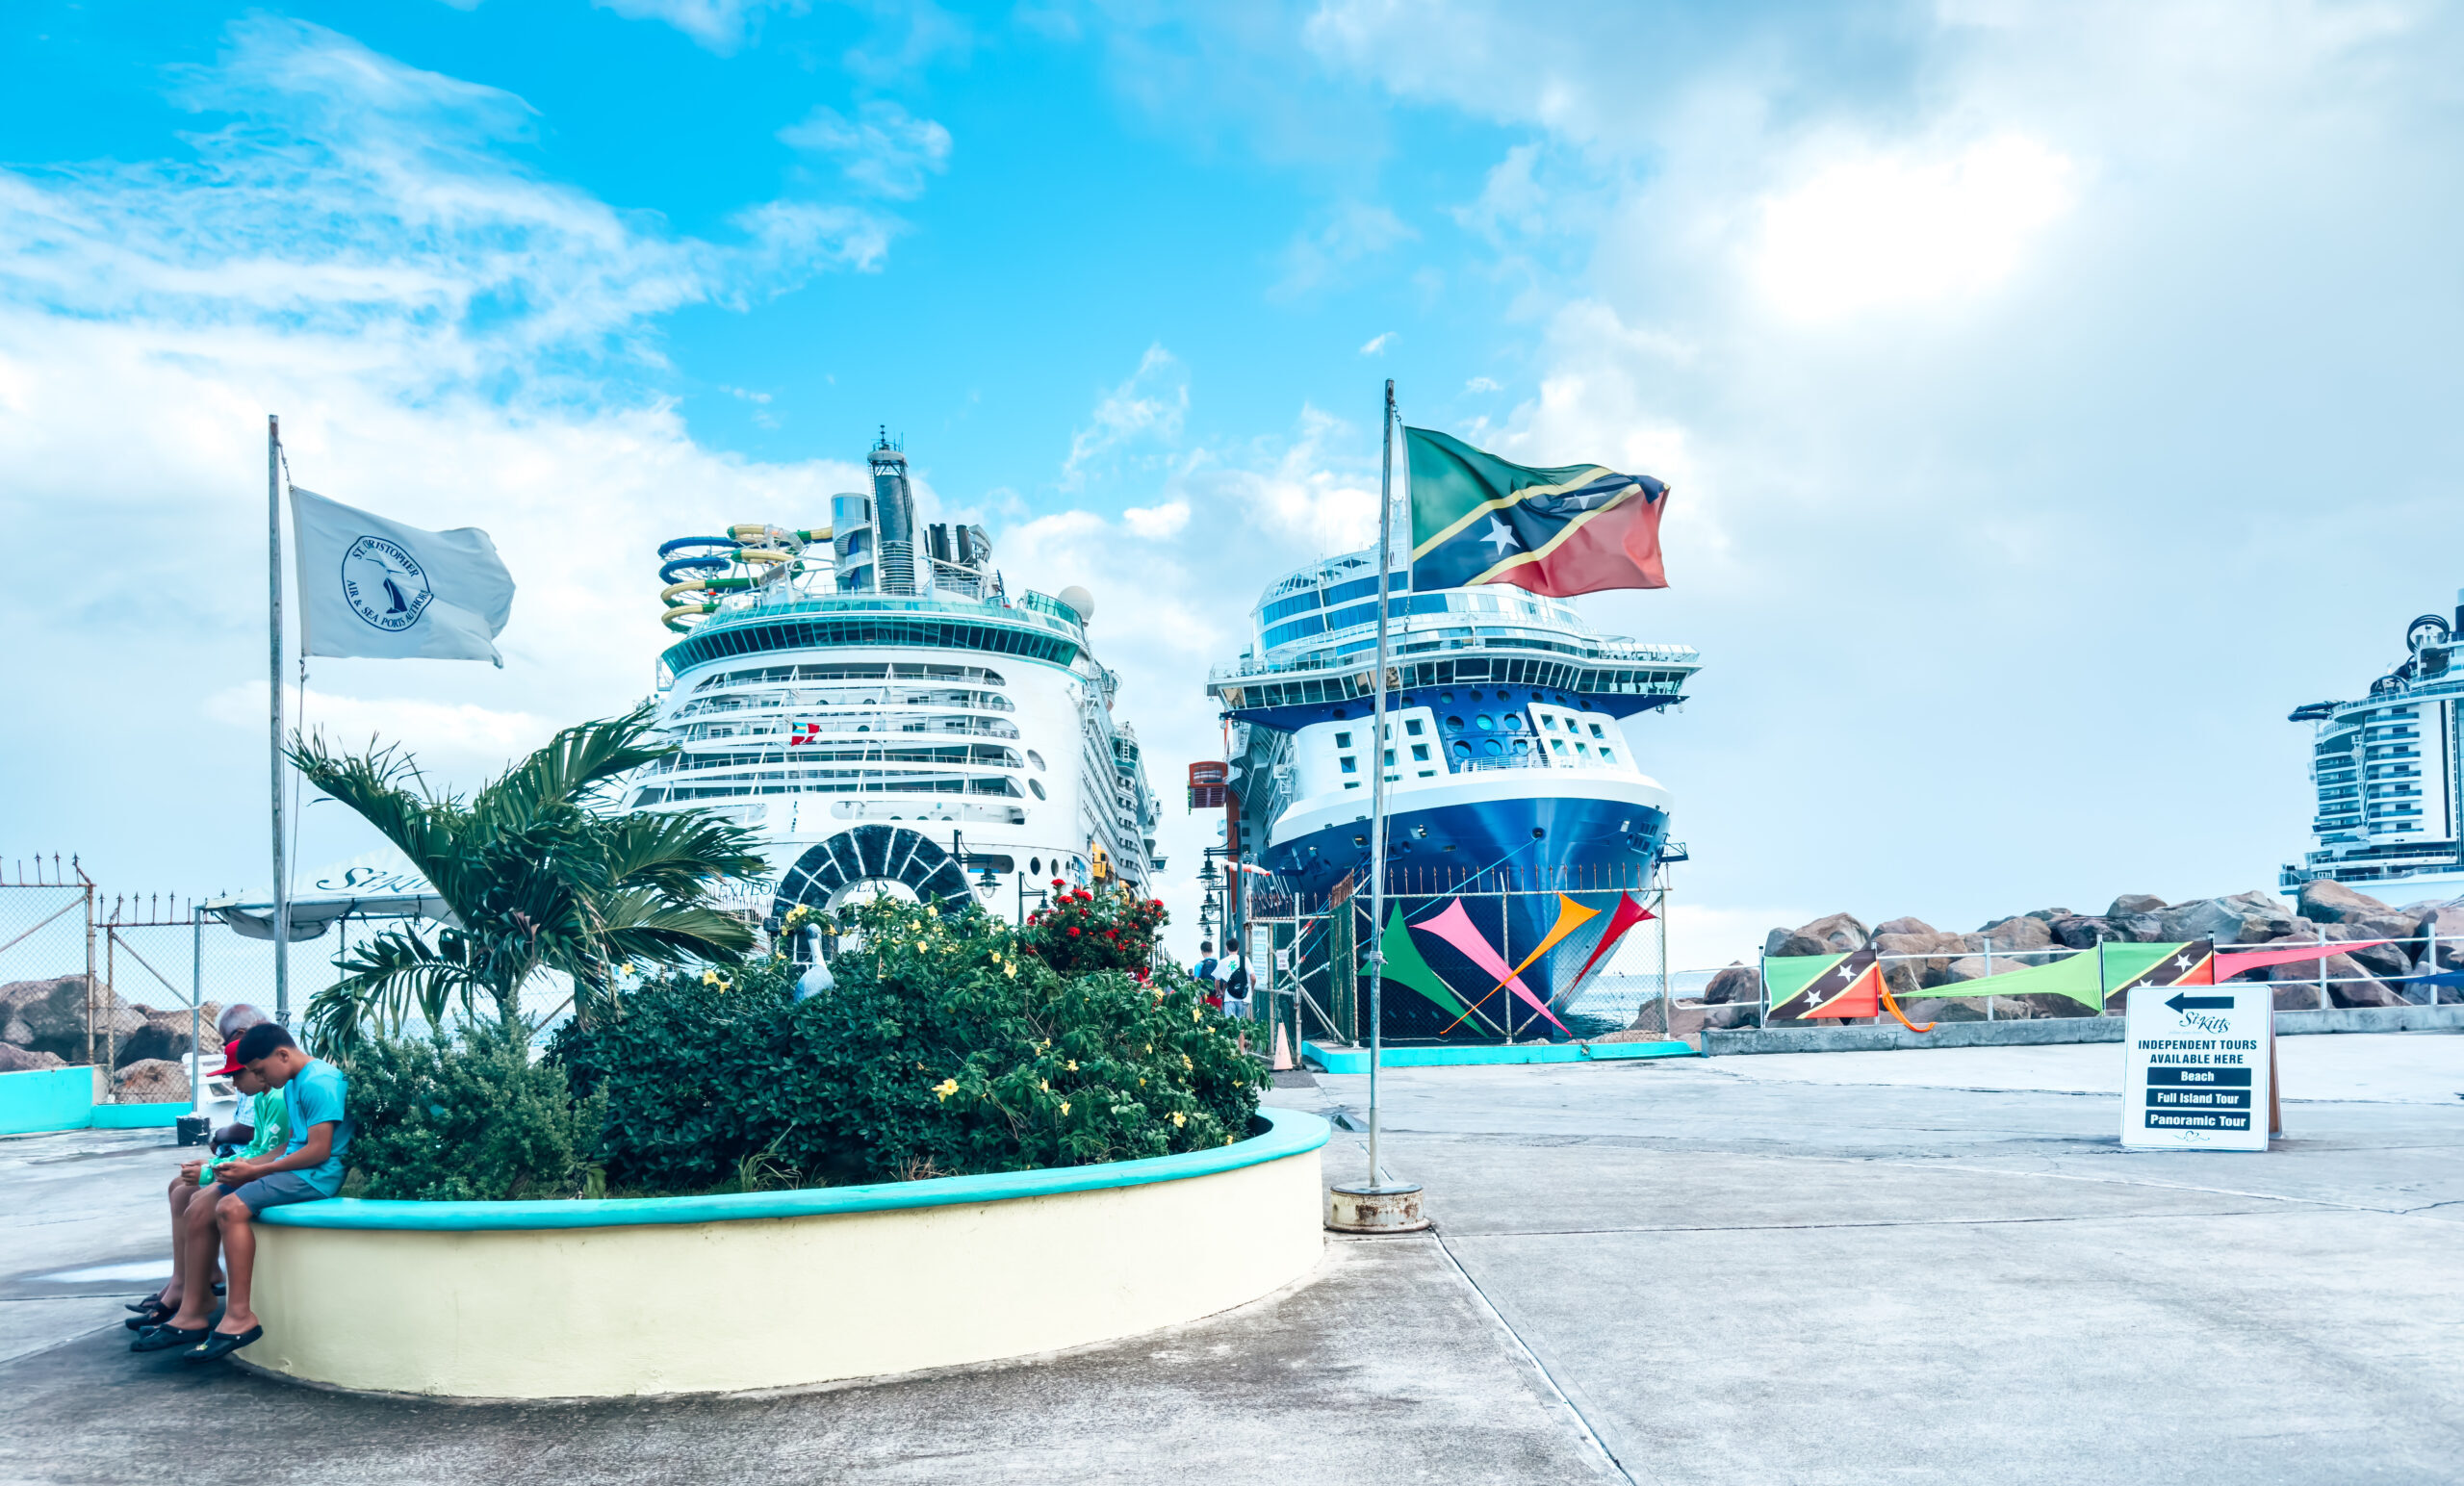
[377,884]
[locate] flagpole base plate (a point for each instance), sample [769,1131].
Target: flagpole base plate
[1360,1207]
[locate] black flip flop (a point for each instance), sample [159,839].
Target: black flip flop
[162,1339]
[221,1343]
[148,1303]
[153,1314]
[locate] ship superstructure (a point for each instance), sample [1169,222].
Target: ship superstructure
[2388,773]
[1510,761]
[870,700]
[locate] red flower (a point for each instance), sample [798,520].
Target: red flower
[1074,933]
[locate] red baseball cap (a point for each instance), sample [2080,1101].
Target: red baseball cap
[230,1060]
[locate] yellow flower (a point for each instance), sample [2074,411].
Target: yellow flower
[1197,1013]
[1071,1066]
[1065,1106]
[1179,1119]
[1047,1085]
[947,1087]
[1011,971]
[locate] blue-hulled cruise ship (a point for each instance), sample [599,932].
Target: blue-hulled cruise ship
[1509,771]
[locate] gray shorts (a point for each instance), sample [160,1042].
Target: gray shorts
[280,1189]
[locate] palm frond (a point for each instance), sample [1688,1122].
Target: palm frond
[392,977]
[573,770]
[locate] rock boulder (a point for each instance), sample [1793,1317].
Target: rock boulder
[1902,925]
[2332,903]
[2085,931]
[1739,982]
[2132,904]
[18,1060]
[154,1080]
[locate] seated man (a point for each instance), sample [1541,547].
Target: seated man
[261,1128]
[310,1169]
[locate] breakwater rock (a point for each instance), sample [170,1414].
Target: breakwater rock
[1939,975]
[43,1025]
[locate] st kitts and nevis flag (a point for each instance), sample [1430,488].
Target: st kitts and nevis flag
[1573,530]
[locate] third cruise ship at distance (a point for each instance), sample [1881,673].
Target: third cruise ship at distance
[1511,767]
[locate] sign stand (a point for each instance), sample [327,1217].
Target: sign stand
[2200,1064]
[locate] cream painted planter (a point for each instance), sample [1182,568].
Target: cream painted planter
[779,1290]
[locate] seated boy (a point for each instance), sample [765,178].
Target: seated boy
[261,1122]
[310,1169]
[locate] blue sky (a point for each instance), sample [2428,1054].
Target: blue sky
[2054,396]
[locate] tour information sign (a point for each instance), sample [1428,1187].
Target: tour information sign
[2202,1064]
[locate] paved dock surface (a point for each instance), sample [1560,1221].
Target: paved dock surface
[1840,1268]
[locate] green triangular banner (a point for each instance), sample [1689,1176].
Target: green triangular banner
[1405,966]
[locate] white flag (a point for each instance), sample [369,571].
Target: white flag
[369,587]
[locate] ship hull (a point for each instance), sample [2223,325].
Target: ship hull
[1513,851]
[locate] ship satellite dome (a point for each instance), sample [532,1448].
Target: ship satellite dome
[1081,602]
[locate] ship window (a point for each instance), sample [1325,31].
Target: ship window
[1514,722]
[1431,774]
[1584,748]
[1390,759]
[1606,757]
[1454,723]
[1462,750]
[1493,748]
[1035,758]
[1559,744]
[1549,721]
[1595,730]
[1350,765]
[1037,785]
[1412,726]
[1343,740]
[1420,753]
[1035,864]
[1485,722]
[1523,745]
[1446,697]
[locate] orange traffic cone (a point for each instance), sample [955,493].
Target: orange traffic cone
[1282,1062]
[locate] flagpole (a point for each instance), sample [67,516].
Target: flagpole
[274,696]
[1378,1205]
[1377,779]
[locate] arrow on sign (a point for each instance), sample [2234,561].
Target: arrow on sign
[2183,1003]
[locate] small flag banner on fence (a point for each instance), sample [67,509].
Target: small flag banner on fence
[1839,986]
[2129,966]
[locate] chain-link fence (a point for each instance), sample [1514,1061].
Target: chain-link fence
[1305,955]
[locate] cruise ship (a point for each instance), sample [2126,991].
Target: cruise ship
[2386,772]
[1511,776]
[870,699]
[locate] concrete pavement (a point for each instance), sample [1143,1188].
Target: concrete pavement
[1941,1270]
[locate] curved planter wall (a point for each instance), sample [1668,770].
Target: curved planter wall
[777,1289]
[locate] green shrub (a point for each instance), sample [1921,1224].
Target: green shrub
[946,1049]
[468,1117]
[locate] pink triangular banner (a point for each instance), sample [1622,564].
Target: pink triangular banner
[1454,926]
[2231,961]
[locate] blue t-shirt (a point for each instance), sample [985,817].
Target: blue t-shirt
[313,1097]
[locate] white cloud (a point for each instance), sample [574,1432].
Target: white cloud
[1376,345]
[1146,408]
[1476,384]
[456,734]
[1157,523]
[1879,229]
[885,149]
[1350,233]
[721,26]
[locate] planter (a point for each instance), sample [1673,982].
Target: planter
[779,1290]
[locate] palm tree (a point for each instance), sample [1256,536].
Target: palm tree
[537,874]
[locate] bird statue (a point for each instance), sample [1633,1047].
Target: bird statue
[816,979]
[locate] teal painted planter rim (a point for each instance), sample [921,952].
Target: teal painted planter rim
[1288,1133]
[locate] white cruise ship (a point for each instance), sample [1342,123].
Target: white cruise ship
[872,701]
[2388,770]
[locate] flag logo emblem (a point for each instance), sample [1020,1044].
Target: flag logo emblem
[384,584]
